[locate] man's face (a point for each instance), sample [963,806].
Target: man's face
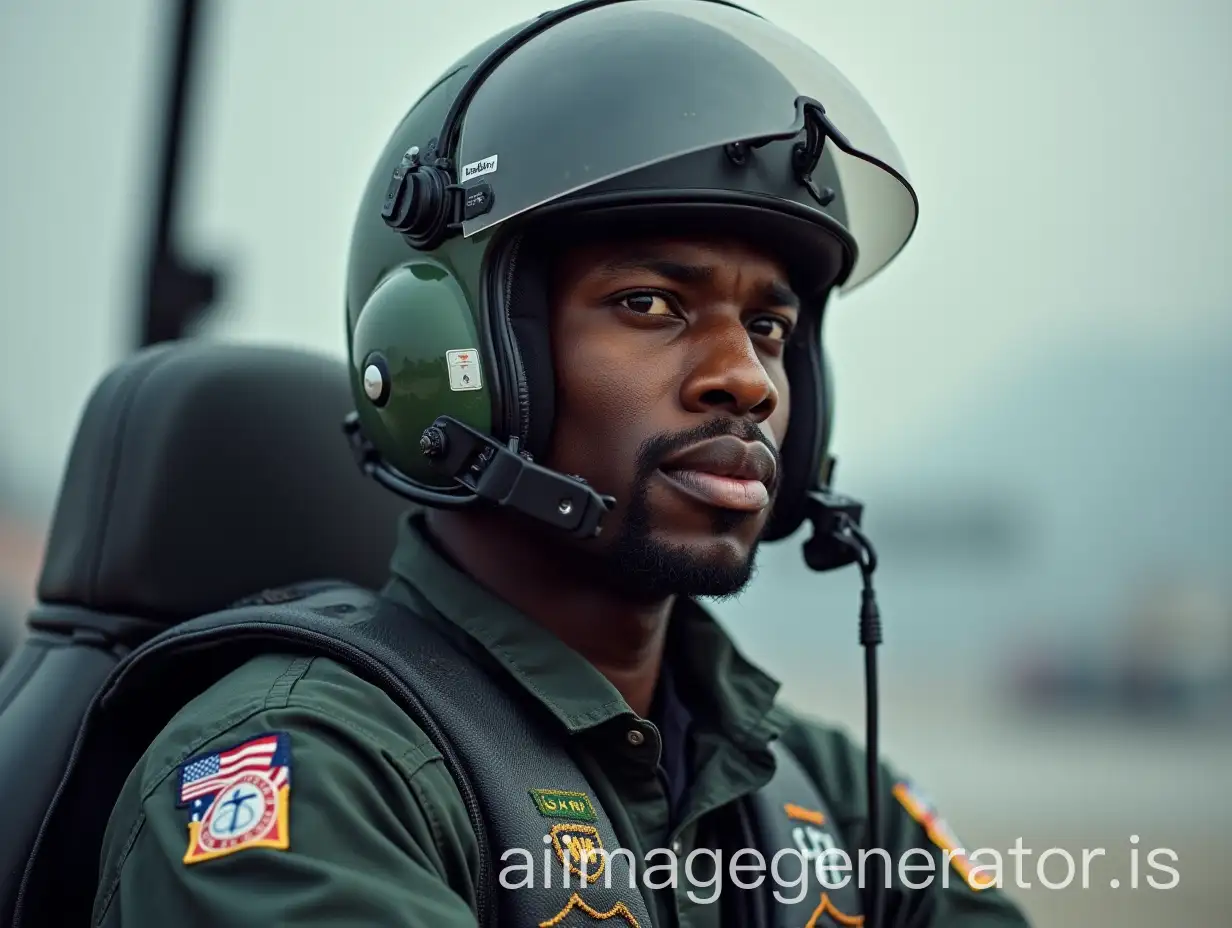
[672,396]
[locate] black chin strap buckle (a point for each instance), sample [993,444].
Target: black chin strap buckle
[505,477]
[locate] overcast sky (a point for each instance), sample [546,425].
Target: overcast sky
[1069,159]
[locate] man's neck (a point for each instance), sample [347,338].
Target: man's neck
[621,637]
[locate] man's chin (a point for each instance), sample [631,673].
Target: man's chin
[668,544]
[719,566]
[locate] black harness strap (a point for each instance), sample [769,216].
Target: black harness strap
[816,878]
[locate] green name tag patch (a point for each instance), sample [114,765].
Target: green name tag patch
[560,803]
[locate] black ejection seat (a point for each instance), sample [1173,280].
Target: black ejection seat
[201,473]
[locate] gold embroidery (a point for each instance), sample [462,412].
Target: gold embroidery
[826,907]
[804,815]
[563,803]
[576,902]
[579,846]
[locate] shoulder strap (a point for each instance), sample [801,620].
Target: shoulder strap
[543,831]
[542,835]
[818,887]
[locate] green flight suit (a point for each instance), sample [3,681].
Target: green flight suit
[379,834]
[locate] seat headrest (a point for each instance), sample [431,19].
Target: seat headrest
[204,472]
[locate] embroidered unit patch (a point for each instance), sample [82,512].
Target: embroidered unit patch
[577,904]
[238,797]
[580,848]
[559,803]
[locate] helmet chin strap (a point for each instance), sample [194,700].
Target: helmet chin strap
[836,542]
[508,477]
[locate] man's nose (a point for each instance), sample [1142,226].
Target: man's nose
[727,374]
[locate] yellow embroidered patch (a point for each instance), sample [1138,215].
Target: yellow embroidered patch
[938,831]
[561,803]
[580,848]
[577,904]
[801,814]
[239,797]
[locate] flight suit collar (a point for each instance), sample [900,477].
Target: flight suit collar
[724,689]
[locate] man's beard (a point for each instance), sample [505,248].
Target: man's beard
[653,568]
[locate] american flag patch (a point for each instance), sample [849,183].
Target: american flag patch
[203,776]
[239,796]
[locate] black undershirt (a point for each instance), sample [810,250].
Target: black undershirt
[673,720]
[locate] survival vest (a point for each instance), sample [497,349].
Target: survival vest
[484,728]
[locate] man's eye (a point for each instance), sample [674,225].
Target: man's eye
[649,303]
[772,326]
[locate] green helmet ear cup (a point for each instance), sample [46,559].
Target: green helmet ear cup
[415,355]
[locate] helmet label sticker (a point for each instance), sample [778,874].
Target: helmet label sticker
[478,168]
[463,367]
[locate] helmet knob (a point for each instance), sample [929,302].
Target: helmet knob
[417,200]
[432,442]
[376,380]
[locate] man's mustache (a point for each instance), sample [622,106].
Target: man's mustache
[654,451]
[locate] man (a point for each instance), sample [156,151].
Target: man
[602,243]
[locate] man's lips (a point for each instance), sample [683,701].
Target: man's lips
[725,472]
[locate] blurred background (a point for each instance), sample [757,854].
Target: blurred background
[1033,400]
